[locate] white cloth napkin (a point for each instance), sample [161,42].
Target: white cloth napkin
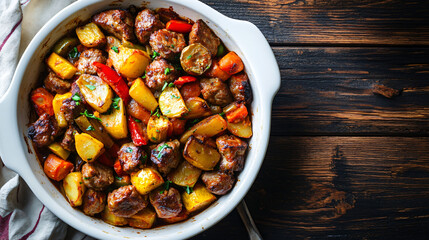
[22,215]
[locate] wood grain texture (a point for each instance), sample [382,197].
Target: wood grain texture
[390,22]
[343,187]
[328,91]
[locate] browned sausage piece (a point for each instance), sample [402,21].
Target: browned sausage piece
[97,176]
[68,140]
[125,201]
[166,156]
[218,182]
[167,203]
[232,150]
[93,202]
[240,88]
[55,84]
[44,130]
[70,108]
[201,33]
[117,22]
[130,157]
[167,14]
[168,44]
[146,23]
[195,59]
[215,91]
[87,57]
[157,74]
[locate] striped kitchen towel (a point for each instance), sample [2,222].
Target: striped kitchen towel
[22,215]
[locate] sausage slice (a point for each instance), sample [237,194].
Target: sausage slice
[87,58]
[97,176]
[240,88]
[129,157]
[218,182]
[55,84]
[43,131]
[146,23]
[166,156]
[158,73]
[166,43]
[93,202]
[215,91]
[232,150]
[201,33]
[125,201]
[117,22]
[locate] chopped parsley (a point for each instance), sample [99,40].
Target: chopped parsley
[86,178]
[76,98]
[189,56]
[167,71]
[172,45]
[171,84]
[188,189]
[137,120]
[118,178]
[144,76]
[157,130]
[90,87]
[130,150]
[222,114]
[115,102]
[166,186]
[165,85]
[153,138]
[114,48]
[74,53]
[156,113]
[155,54]
[161,148]
[90,115]
[143,159]
[90,128]
[174,96]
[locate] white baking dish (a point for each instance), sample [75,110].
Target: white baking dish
[242,37]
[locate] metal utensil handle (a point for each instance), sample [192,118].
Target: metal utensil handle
[248,221]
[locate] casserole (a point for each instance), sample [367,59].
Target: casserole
[18,154]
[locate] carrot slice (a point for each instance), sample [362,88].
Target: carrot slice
[215,71]
[178,126]
[56,168]
[189,90]
[231,63]
[42,101]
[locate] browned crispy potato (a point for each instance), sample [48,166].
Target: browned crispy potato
[208,127]
[198,199]
[201,152]
[185,174]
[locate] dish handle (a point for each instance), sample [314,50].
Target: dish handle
[7,131]
[254,46]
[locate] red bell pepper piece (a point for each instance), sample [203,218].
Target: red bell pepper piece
[179,26]
[118,168]
[185,79]
[42,101]
[138,132]
[115,81]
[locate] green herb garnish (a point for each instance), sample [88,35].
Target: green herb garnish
[144,76]
[130,150]
[90,128]
[161,148]
[114,48]
[137,120]
[156,113]
[90,87]
[143,159]
[222,114]
[76,98]
[86,178]
[167,71]
[188,189]
[90,115]
[115,102]
[153,138]
[155,54]
[166,186]
[174,96]
[189,57]
[171,84]
[165,85]
[118,178]
[74,53]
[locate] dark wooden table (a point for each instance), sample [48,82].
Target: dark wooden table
[342,162]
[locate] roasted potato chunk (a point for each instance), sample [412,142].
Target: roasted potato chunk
[131,63]
[143,219]
[146,180]
[241,129]
[116,122]
[201,152]
[157,128]
[90,35]
[142,95]
[171,103]
[74,188]
[198,199]
[63,68]
[185,174]
[208,127]
[198,107]
[96,92]
[56,104]
[87,147]
[109,218]
[59,150]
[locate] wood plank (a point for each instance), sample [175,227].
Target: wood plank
[343,187]
[328,91]
[388,22]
